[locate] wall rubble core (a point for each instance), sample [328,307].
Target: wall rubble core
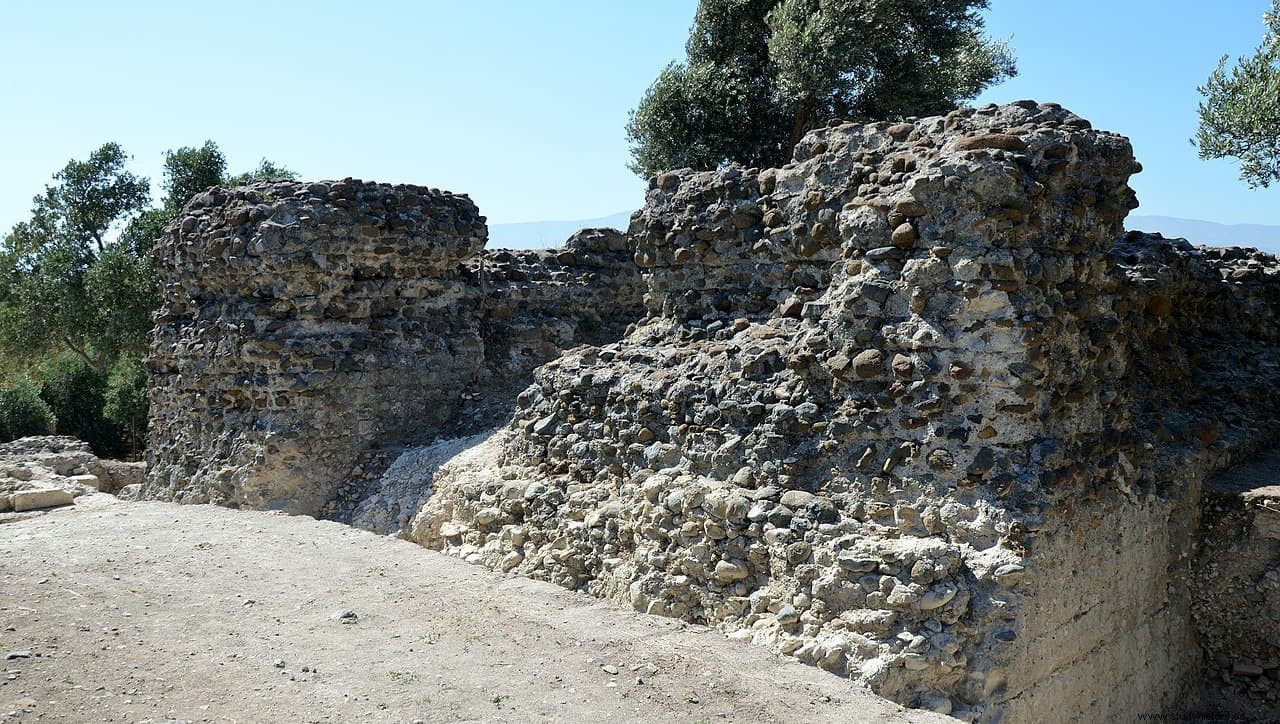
[1236,589]
[912,408]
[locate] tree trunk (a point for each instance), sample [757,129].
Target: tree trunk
[799,126]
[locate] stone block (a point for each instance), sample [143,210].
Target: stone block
[24,500]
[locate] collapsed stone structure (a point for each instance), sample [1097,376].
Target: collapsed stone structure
[910,408]
[43,472]
[1235,582]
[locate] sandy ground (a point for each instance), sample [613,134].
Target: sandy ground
[150,612]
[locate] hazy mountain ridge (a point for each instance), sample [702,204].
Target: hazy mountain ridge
[1209,233]
[546,234]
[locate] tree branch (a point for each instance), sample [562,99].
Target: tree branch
[80,353]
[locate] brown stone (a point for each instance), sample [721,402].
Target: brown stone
[903,366]
[869,363]
[900,131]
[792,308]
[667,181]
[1159,306]
[910,208]
[904,237]
[960,371]
[839,363]
[1001,141]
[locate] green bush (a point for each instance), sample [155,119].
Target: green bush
[77,394]
[23,413]
[126,403]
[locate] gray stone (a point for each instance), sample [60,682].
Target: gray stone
[796,499]
[728,572]
[855,563]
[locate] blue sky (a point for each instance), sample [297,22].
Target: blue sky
[522,104]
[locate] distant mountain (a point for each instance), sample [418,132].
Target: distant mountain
[546,234]
[1266,238]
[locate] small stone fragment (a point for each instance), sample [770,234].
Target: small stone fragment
[788,615]
[903,366]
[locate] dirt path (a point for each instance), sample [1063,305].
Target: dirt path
[144,612]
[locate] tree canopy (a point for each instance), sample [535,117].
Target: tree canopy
[68,283]
[188,171]
[77,292]
[1240,110]
[761,73]
[65,284]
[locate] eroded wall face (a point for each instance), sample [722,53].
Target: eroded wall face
[305,324]
[836,431]
[905,410]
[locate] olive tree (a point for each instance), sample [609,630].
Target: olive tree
[1240,110]
[759,74]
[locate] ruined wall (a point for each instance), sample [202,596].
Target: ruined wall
[911,408]
[304,324]
[1206,398]
[904,410]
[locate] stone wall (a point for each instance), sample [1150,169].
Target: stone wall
[903,409]
[306,325]
[911,408]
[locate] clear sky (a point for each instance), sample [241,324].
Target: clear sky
[522,104]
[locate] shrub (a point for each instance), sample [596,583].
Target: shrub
[23,413]
[126,403]
[76,394]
